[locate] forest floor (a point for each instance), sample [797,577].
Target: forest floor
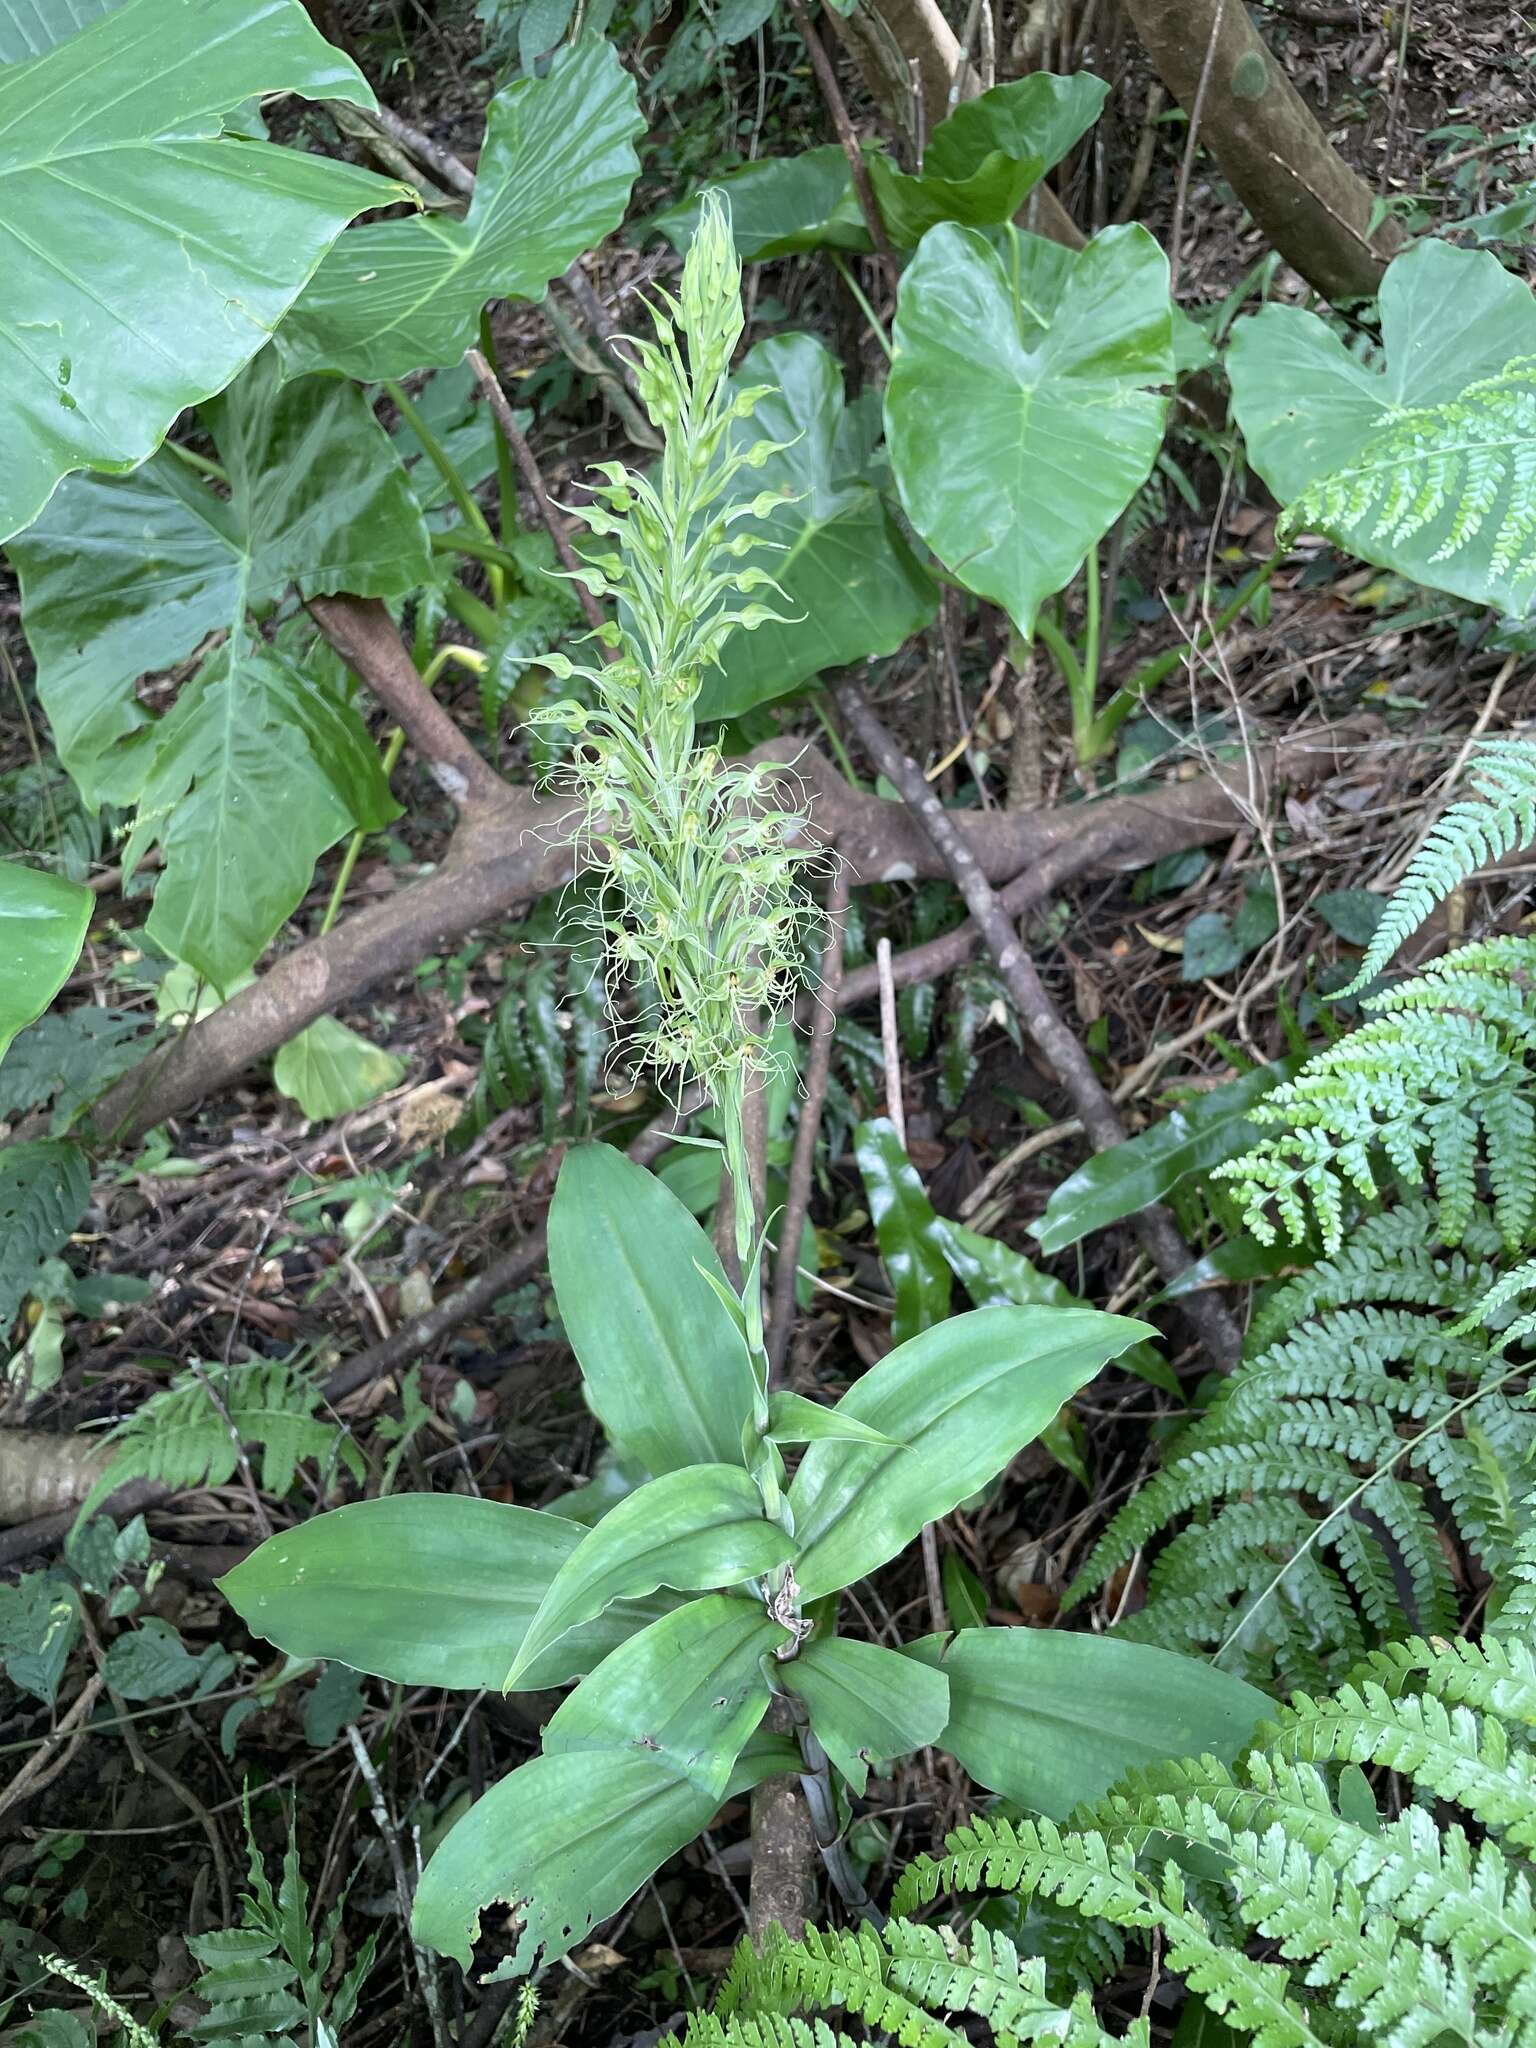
[242,1231]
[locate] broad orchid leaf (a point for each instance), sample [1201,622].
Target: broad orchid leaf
[1191,1139]
[330,1069]
[1419,462]
[665,1367]
[904,1221]
[792,1419]
[563,1843]
[636,1762]
[963,1398]
[149,254]
[780,206]
[688,1690]
[694,1529]
[43,921]
[422,1588]
[863,1705]
[1050,1719]
[1025,377]
[553,179]
[982,162]
[851,586]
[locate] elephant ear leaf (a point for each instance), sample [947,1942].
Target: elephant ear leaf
[554,178]
[160,251]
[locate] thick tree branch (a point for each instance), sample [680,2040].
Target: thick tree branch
[367,639]
[520,846]
[1269,144]
[1038,1014]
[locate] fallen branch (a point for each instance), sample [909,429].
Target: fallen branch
[1039,1016]
[518,845]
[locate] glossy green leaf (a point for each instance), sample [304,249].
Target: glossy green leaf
[44,1185]
[1022,412]
[258,767]
[636,1761]
[794,1420]
[780,206]
[688,1691]
[863,1705]
[1191,1139]
[317,500]
[1418,462]
[966,1396]
[665,1367]
[699,1527]
[43,921]
[329,1069]
[28,28]
[150,255]
[903,1218]
[1049,1719]
[553,178]
[563,1842]
[851,586]
[256,772]
[965,1597]
[425,1589]
[982,162]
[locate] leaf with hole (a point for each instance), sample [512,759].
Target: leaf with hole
[553,178]
[150,254]
[637,1762]
[1026,375]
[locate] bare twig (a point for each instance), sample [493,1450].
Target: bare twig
[426,1968]
[837,107]
[1038,1014]
[818,1069]
[506,419]
[890,1042]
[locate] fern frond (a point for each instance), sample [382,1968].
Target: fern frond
[1314,1490]
[190,1433]
[1499,819]
[1309,1921]
[1438,1081]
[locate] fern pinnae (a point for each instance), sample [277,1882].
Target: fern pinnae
[1499,819]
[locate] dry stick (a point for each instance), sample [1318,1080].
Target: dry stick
[597,317]
[496,399]
[837,107]
[1191,145]
[41,1768]
[802,1164]
[426,1967]
[1217,1330]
